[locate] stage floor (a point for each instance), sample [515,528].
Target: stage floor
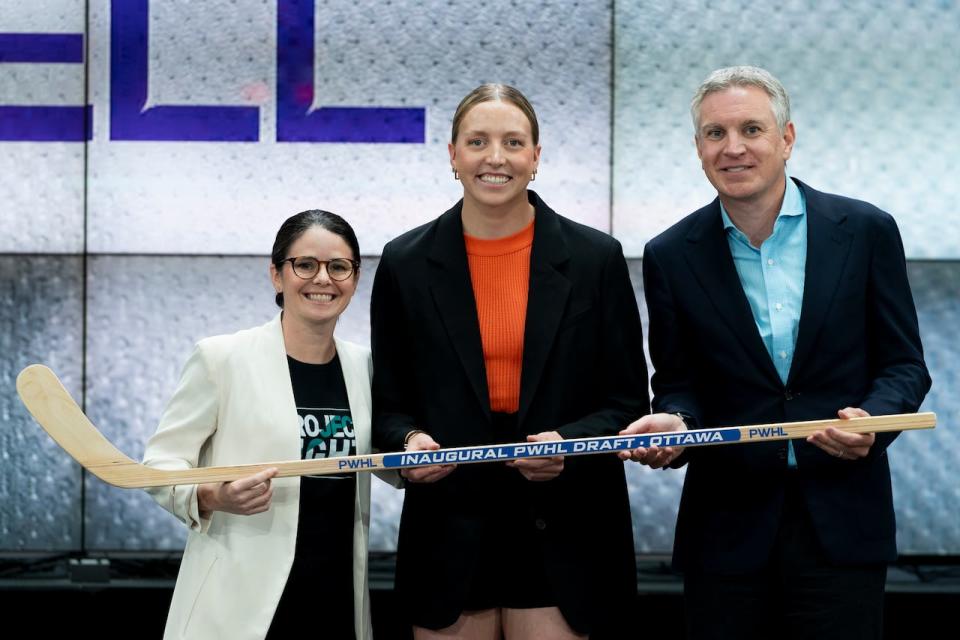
[124,595]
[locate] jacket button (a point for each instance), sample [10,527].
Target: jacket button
[540,524]
[782,454]
[788,395]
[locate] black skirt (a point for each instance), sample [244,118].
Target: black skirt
[509,569]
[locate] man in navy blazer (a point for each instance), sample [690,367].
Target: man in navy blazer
[773,303]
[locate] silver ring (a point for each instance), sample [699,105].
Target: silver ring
[840,453]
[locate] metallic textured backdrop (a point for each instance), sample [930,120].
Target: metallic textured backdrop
[116,255]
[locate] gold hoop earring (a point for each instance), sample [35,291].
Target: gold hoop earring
[533,176]
[456,176]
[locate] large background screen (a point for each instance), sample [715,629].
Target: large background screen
[149,151]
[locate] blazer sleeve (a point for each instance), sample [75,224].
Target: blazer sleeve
[899,376]
[672,388]
[186,427]
[391,477]
[392,356]
[621,364]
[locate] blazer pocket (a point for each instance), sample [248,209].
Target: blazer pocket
[850,297]
[575,317]
[206,583]
[849,307]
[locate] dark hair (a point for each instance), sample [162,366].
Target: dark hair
[295,226]
[495,92]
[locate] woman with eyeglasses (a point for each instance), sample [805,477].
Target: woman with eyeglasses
[502,321]
[266,556]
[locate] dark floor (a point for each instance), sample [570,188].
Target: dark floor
[127,596]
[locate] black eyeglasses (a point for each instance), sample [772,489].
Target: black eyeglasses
[307,267]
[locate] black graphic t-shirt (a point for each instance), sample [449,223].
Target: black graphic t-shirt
[319,590]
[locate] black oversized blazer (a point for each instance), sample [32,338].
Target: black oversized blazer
[583,374]
[858,345]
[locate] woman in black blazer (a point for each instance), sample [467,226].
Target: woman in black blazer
[501,321]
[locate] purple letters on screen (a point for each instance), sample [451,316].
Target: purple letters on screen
[130,120]
[295,121]
[41,47]
[43,123]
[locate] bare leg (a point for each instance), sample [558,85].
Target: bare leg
[546,623]
[471,625]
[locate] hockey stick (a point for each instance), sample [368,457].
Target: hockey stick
[51,405]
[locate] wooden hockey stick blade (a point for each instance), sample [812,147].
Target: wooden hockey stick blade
[51,405]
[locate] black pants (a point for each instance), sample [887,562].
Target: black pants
[800,594]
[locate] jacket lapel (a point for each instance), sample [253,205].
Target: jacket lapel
[708,254]
[357,381]
[273,374]
[547,298]
[452,293]
[828,246]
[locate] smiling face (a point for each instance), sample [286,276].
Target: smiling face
[319,300]
[741,149]
[495,155]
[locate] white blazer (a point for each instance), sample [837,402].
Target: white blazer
[234,405]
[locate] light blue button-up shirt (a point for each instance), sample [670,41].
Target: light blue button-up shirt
[772,278]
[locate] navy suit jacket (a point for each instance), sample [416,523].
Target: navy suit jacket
[858,345]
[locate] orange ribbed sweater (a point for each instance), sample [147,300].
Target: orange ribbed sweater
[500,274]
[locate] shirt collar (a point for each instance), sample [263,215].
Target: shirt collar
[793,205]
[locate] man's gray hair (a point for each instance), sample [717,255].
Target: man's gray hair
[743,76]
